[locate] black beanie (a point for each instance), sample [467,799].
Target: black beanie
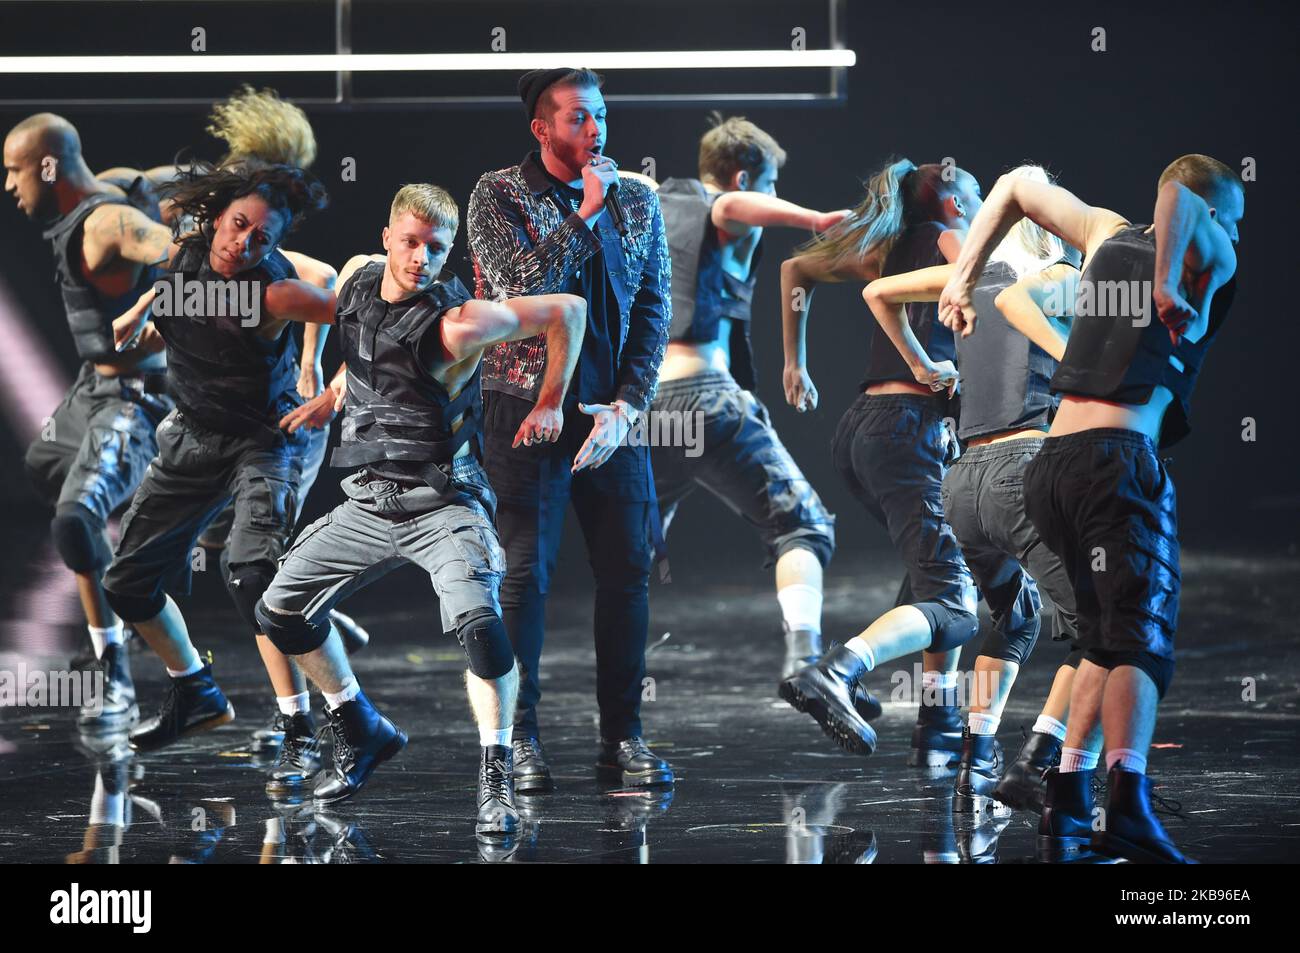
[535,82]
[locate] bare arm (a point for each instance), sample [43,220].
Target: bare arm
[1031,302]
[125,232]
[1191,246]
[886,297]
[317,273]
[738,212]
[292,299]
[1057,210]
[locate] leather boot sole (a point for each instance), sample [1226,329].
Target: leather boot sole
[852,733]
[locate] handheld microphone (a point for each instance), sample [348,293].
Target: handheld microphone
[615,209]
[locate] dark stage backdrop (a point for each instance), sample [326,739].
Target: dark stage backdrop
[991,86]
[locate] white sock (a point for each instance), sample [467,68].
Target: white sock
[1047,725]
[1077,759]
[1130,759]
[274,832]
[195,665]
[494,736]
[941,686]
[107,808]
[294,704]
[801,607]
[350,690]
[109,635]
[982,723]
[862,649]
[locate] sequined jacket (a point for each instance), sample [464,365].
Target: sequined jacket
[523,243]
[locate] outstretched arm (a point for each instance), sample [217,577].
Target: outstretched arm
[1057,210]
[738,212]
[1030,302]
[886,297]
[1189,244]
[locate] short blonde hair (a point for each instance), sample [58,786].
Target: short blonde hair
[258,124]
[429,203]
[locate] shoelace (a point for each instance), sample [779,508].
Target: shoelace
[636,747]
[526,748]
[168,710]
[343,753]
[296,748]
[1167,805]
[496,781]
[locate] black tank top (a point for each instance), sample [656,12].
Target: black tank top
[1119,350]
[1005,377]
[918,247]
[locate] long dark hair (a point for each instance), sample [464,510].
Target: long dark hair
[204,191]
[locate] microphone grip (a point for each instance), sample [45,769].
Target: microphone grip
[615,209]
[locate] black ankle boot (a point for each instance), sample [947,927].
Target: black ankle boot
[977,775]
[1065,826]
[363,740]
[632,764]
[497,816]
[299,760]
[802,648]
[532,773]
[354,637]
[112,707]
[829,692]
[1130,830]
[1022,785]
[192,704]
[936,737]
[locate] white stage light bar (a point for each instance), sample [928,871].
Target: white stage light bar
[428,62]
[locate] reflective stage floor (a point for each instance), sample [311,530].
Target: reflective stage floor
[757,782]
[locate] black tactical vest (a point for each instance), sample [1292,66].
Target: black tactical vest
[90,314]
[1119,350]
[1004,375]
[703,291]
[396,411]
[917,247]
[221,373]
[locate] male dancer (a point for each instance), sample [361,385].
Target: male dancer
[715,230]
[1006,408]
[412,342]
[232,375]
[1097,491]
[93,452]
[541,227]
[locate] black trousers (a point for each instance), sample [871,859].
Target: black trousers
[617,511]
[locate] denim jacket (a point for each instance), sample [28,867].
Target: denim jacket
[523,243]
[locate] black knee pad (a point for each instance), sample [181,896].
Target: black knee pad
[135,608]
[821,545]
[291,633]
[483,636]
[949,627]
[79,538]
[246,585]
[1158,668]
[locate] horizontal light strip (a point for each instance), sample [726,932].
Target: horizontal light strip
[428,62]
